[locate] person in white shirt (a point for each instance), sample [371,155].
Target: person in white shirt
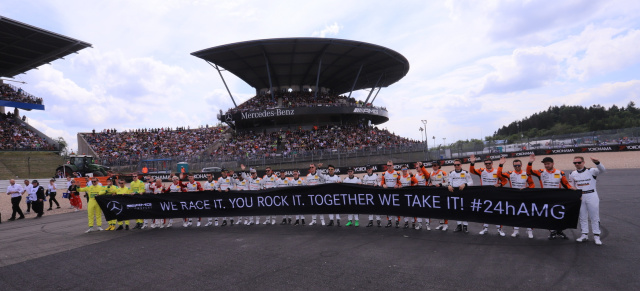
[15,190]
[315,178]
[27,189]
[351,179]
[459,179]
[295,182]
[255,184]
[584,178]
[210,185]
[283,181]
[331,177]
[241,185]
[269,181]
[371,179]
[52,194]
[224,184]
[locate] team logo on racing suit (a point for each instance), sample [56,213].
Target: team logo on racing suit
[115,207]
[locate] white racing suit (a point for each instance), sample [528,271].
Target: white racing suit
[585,180]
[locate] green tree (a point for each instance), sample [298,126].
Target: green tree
[63,146]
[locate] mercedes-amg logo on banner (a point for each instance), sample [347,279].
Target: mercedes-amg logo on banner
[115,207]
[228,117]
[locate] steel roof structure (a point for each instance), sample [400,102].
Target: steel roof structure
[24,47]
[338,64]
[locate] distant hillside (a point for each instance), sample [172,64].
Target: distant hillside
[571,119]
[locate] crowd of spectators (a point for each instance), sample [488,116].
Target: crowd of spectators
[11,93]
[133,145]
[300,141]
[295,99]
[15,136]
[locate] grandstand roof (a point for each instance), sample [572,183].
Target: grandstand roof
[24,47]
[294,61]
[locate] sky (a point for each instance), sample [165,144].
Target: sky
[474,65]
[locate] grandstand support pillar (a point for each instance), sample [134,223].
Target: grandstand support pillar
[355,81]
[223,81]
[375,96]
[373,88]
[266,60]
[318,79]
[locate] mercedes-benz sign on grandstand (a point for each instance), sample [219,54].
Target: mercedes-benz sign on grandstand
[311,65]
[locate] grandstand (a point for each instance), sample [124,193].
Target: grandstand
[130,147]
[25,151]
[303,109]
[306,82]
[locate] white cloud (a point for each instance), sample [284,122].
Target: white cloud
[515,19]
[475,65]
[596,52]
[332,30]
[526,69]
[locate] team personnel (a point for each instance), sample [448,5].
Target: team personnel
[15,190]
[315,178]
[225,183]
[439,178]
[137,187]
[241,185]
[27,189]
[406,180]
[255,184]
[111,189]
[331,177]
[74,195]
[518,179]
[351,179]
[149,188]
[459,179]
[296,181]
[269,181]
[93,210]
[122,190]
[193,186]
[37,198]
[422,176]
[488,177]
[175,187]
[584,179]
[371,179]
[158,188]
[283,181]
[52,194]
[69,185]
[390,178]
[550,177]
[209,185]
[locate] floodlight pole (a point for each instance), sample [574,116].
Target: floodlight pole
[225,83]
[373,88]
[356,80]
[426,143]
[273,98]
[318,78]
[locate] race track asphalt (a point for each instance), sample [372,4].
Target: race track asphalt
[54,253]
